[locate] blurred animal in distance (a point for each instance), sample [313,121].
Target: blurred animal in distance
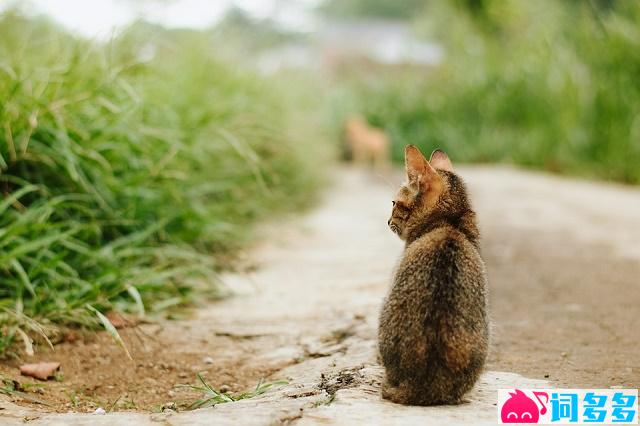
[365,144]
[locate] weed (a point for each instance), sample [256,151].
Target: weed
[212,396]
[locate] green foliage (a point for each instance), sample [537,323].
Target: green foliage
[125,166]
[398,9]
[547,84]
[252,34]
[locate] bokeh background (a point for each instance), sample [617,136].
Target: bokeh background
[141,141]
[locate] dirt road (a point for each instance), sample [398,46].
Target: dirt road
[564,267]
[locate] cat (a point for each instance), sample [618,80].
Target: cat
[433,333]
[366,144]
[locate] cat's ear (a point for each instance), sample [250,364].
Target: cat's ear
[419,171]
[440,160]
[415,164]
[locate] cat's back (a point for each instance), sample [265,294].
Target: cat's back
[441,276]
[444,253]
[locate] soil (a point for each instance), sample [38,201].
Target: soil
[166,358]
[564,268]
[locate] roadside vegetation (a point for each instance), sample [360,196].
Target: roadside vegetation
[130,170]
[549,85]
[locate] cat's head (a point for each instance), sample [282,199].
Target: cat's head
[432,190]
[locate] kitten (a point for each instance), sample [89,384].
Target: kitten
[366,144]
[433,333]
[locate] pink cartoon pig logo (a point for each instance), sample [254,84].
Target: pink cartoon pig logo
[519,408]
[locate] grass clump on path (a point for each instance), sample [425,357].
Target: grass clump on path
[211,397]
[127,170]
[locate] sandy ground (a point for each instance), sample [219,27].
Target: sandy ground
[564,267]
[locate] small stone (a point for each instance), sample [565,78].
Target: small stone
[171,393]
[207,360]
[183,375]
[100,410]
[169,407]
[224,388]
[563,354]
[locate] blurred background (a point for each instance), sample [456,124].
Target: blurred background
[137,138]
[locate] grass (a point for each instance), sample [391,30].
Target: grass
[129,171]
[213,397]
[549,84]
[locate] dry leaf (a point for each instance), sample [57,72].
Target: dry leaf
[41,370]
[110,329]
[71,336]
[118,320]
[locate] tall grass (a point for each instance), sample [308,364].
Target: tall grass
[129,170]
[547,84]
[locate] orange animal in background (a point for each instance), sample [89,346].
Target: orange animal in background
[365,143]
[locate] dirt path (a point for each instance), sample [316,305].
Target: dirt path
[564,267]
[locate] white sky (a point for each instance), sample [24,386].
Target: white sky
[99,18]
